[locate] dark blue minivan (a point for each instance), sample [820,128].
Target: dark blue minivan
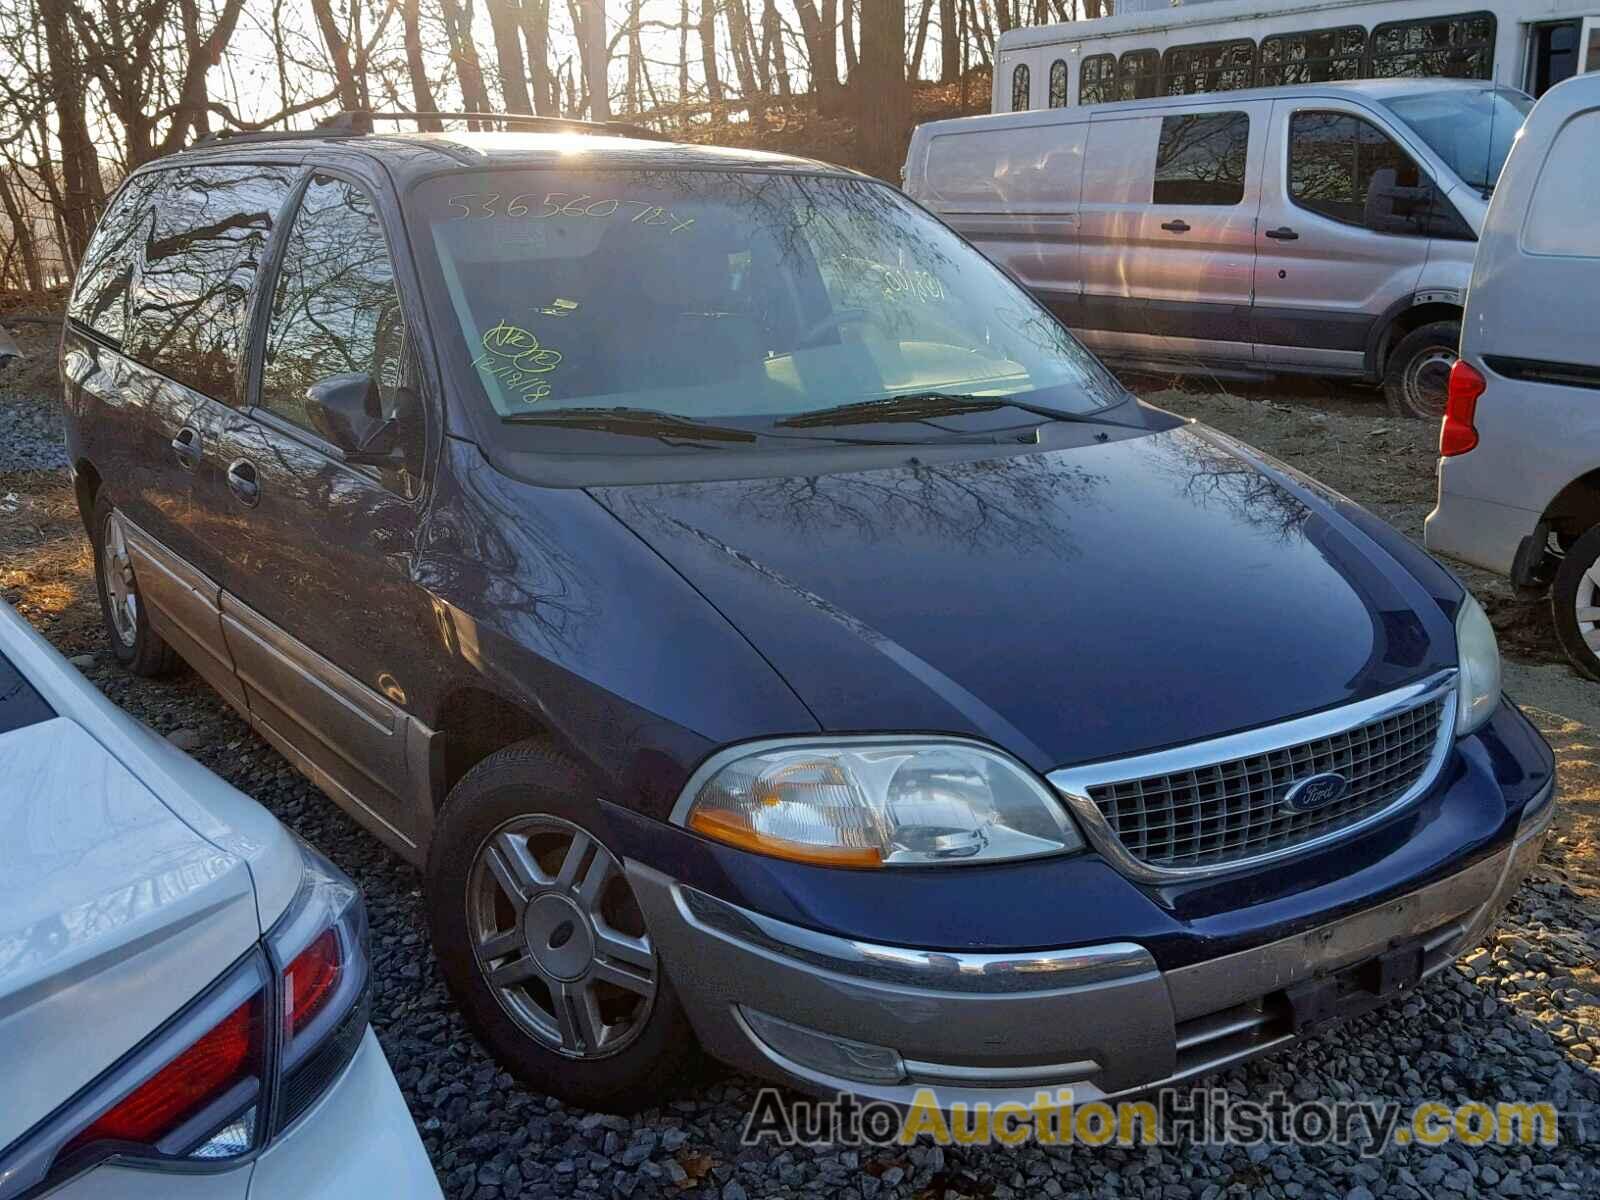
[772,631]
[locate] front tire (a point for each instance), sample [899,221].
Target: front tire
[139,648]
[1575,603]
[1416,379]
[542,943]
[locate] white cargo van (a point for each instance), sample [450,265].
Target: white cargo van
[1323,229]
[1519,471]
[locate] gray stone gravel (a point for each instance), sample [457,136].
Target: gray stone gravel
[30,414]
[1518,1020]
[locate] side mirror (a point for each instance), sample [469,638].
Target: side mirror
[389,435]
[1391,208]
[344,408]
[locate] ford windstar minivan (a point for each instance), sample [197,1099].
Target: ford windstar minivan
[1322,228]
[772,632]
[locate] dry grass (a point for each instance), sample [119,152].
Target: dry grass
[46,566]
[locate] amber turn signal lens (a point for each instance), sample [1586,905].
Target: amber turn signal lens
[728,828]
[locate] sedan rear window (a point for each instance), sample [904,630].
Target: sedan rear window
[709,294]
[20,705]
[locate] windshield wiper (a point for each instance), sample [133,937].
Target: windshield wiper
[635,422]
[921,406]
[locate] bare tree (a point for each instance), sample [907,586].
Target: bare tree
[708,50]
[416,67]
[882,97]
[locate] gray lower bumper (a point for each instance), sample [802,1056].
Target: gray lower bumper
[1102,1019]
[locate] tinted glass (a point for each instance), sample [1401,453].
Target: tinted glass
[1471,130]
[1332,159]
[1318,57]
[105,277]
[1138,75]
[208,231]
[1459,47]
[1201,158]
[1021,91]
[19,704]
[726,295]
[1210,67]
[335,309]
[1058,84]
[1097,79]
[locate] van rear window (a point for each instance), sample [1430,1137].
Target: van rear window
[1201,158]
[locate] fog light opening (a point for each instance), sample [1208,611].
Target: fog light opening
[826,1053]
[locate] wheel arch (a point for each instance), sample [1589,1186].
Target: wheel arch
[1575,509]
[1415,311]
[474,722]
[86,486]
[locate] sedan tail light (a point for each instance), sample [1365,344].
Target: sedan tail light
[1458,434]
[240,1063]
[218,1059]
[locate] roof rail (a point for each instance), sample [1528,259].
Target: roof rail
[358,122]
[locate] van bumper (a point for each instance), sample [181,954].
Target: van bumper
[1484,533]
[826,1014]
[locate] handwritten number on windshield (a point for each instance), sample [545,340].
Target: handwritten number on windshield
[482,205]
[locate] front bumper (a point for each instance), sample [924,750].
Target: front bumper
[883,1022]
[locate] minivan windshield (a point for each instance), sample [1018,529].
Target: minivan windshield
[746,298]
[1472,130]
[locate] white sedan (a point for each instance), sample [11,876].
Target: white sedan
[183,984]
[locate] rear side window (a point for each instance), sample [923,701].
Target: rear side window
[1201,158]
[1458,47]
[1097,79]
[1314,57]
[100,296]
[1332,159]
[335,309]
[203,246]
[1021,89]
[1058,83]
[19,704]
[1562,216]
[1209,67]
[1138,75]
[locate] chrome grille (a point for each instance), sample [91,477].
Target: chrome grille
[1202,809]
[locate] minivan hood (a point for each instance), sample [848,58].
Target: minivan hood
[1070,605]
[114,913]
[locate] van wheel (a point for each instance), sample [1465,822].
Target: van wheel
[1575,603]
[1416,378]
[542,942]
[138,647]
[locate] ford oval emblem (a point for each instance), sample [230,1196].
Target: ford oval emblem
[1316,791]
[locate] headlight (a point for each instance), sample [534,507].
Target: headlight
[876,803]
[1479,680]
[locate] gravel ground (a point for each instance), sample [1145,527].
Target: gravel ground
[1518,1020]
[30,420]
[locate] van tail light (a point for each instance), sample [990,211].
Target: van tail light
[1458,434]
[237,1065]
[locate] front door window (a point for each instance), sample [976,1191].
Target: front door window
[1333,157]
[335,312]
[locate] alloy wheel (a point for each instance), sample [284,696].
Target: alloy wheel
[122,593]
[1586,607]
[559,937]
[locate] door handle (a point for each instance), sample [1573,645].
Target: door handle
[242,481]
[1178,226]
[186,446]
[1283,234]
